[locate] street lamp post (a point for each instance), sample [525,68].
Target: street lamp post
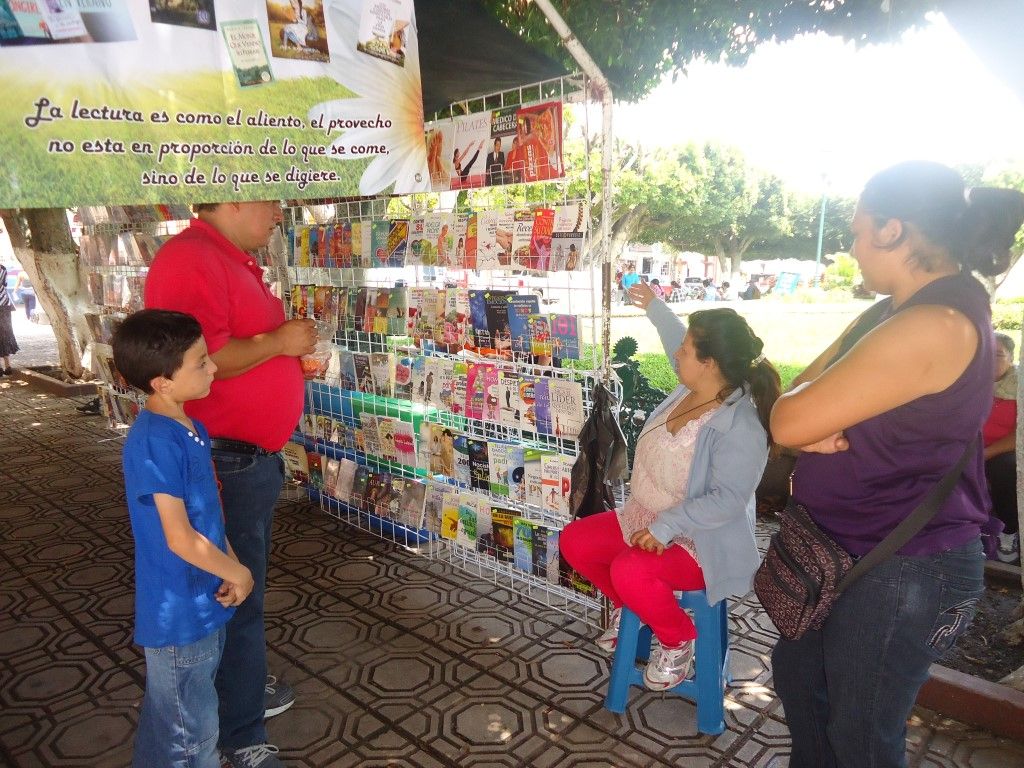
[821,233]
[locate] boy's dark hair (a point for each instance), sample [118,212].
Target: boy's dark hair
[153,342]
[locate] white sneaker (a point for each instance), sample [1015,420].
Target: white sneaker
[610,637]
[668,667]
[1009,548]
[256,756]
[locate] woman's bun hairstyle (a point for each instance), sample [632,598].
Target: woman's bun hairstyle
[990,224]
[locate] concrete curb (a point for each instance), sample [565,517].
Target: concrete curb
[994,707]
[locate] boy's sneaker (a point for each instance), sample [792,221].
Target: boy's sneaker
[1009,548]
[668,667]
[278,697]
[610,637]
[256,756]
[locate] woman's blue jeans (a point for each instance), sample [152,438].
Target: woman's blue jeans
[178,722]
[848,688]
[250,486]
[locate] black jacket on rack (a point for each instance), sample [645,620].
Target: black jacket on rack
[601,461]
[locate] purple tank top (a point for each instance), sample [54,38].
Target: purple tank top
[858,496]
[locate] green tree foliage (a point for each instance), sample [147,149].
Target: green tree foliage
[639,42]
[844,272]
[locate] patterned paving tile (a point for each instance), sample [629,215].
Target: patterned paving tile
[397,660]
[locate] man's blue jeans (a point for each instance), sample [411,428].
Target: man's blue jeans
[178,723]
[848,688]
[250,486]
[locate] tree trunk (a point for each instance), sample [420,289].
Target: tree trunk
[41,238]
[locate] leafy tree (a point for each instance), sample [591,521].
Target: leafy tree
[639,42]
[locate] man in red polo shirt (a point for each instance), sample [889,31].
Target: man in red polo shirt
[251,411]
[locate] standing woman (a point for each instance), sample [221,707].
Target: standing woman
[879,426]
[8,344]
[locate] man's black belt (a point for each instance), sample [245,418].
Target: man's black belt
[237,446]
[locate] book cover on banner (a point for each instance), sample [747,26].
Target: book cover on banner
[532,476]
[450,513]
[502,536]
[404,384]
[540,334]
[360,480]
[345,478]
[565,337]
[247,52]
[386,438]
[520,307]
[463,475]
[433,506]
[297,30]
[410,506]
[382,372]
[316,471]
[539,150]
[472,134]
[405,443]
[566,413]
[498,466]
[384,29]
[567,234]
[522,235]
[522,534]
[540,239]
[479,464]
[466,532]
[371,435]
[496,307]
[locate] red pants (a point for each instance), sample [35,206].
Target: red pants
[642,581]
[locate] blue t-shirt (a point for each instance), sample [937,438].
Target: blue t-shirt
[630,279]
[174,600]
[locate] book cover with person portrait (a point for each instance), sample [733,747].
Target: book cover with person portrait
[471,140]
[565,337]
[410,506]
[568,231]
[503,129]
[439,138]
[496,308]
[539,135]
[382,373]
[247,52]
[184,13]
[520,307]
[384,29]
[297,30]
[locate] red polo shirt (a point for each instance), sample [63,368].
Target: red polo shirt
[204,274]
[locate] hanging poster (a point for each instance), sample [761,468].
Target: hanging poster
[126,103]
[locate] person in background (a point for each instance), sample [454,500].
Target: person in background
[879,424]
[253,407]
[1000,437]
[689,520]
[8,343]
[656,288]
[751,292]
[726,292]
[630,277]
[23,289]
[710,292]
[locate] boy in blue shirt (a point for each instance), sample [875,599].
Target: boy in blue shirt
[187,578]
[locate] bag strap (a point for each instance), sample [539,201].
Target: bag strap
[912,523]
[868,319]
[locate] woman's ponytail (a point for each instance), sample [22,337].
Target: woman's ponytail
[765,388]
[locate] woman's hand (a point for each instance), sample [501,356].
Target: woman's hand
[641,295]
[645,541]
[832,444]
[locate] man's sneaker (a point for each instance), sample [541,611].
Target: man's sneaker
[1009,548]
[610,637]
[278,697]
[256,756]
[668,667]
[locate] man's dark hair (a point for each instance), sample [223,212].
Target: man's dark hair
[200,207]
[153,342]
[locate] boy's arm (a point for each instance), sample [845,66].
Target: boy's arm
[194,548]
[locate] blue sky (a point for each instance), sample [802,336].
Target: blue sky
[817,107]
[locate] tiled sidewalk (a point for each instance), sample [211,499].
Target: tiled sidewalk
[397,660]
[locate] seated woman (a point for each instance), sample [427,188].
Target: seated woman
[689,520]
[1000,435]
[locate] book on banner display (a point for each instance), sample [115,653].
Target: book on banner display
[439,138]
[540,239]
[437,370]
[496,307]
[522,535]
[542,405]
[334,247]
[331,467]
[360,480]
[316,471]
[364,381]
[410,506]
[533,476]
[422,312]
[342,300]
[479,464]
[133,292]
[343,484]
[128,250]
[310,245]
[445,384]
[325,304]
[540,334]
[360,244]
[433,506]
[568,231]
[450,513]
[382,373]
[398,311]
[302,30]
[347,370]
[478,318]
[501,533]
[556,481]
[442,451]
[565,337]
[466,532]
[324,424]
[247,51]
[570,577]
[296,463]
[503,131]
[424,438]
[417,379]
[300,301]
[371,435]
[383,30]
[462,471]
[456,316]
[405,442]
[386,438]
[113,291]
[522,236]
[498,457]
[403,377]
[520,307]
[476,389]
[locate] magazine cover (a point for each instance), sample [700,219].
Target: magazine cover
[371,434]
[479,464]
[540,239]
[360,480]
[382,371]
[410,506]
[471,139]
[538,155]
[516,474]
[496,307]
[520,307]
[565,405]
[433,506]
[503,131]
[540,334]
[565,337]
[440,139]
[522,533]
[342,489]
[462,471]
[386,438]
[466,532]
[184,13]
[405,442]
[567,234]
[383,29]
[503,538]
[522,236]
[498,466]
[297,30]
[247,52]
[450,513]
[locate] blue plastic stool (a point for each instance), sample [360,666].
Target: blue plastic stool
[711,664]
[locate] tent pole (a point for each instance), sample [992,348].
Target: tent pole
[604,90]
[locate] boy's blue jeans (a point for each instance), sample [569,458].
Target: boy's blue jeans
[848,688]
[178,723]
[250,486]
